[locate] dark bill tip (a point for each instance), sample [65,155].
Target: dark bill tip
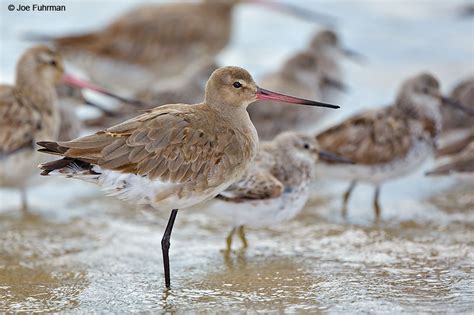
[102,109]
[263,94]
[457,105]
[70,80]
[331,157]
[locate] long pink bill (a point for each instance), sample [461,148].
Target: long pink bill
[263,94]
[70,80]
[302,13]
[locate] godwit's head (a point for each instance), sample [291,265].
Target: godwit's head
[40,64]
[233,87]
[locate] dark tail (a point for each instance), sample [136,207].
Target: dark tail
[48,167]
[67,164]
[51,147]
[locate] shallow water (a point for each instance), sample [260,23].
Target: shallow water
[80,251]
[100,254]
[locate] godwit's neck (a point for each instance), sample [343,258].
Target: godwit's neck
[36,93]
[235,116]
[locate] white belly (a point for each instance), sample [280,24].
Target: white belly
[260,213]
[141,190]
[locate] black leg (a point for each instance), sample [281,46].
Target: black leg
[165,247]
[377,208]
[24,201]
[347,195]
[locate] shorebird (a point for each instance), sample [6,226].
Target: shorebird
[274,189]
[189,90]
[173,156]
[154,43]
[328,50]
[29,113]
[298,76]
[389,142]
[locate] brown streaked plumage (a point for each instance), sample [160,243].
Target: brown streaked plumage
[389,142]
[372,137]
[274,189]
[151,43]
[173,156]
[154,43]
[298,76]
[28,113]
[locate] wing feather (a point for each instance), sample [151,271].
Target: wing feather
[156,145]
[18,123]
[256,185]
[369,138]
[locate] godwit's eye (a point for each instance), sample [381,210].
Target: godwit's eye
[53,63]
[425,90]
[237,85]
[306,146]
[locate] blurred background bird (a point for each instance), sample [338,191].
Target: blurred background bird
[30,112]
[328,51]
[390,142]
[153,44]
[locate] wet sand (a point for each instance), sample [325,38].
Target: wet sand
[108,258]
